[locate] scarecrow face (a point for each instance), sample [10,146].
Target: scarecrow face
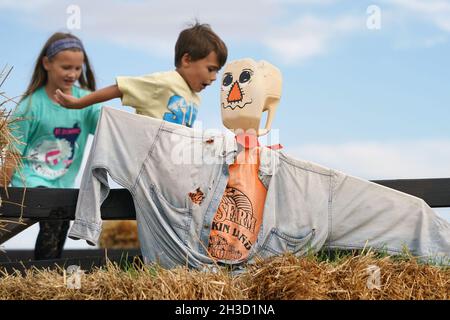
[248,89]
[237,86]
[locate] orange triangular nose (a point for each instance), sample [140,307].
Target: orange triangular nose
[235,94]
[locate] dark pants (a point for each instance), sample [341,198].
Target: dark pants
[51,238]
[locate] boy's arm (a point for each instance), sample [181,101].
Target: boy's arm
[98,96]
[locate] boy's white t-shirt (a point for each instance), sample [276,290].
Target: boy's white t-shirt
[161,95]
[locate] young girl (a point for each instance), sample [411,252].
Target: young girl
[53,137]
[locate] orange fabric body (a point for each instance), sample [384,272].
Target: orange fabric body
[238,219]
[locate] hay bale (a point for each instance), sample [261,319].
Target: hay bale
[121,234]
[281,278]
[349,278]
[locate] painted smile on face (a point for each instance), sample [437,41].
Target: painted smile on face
[234,87]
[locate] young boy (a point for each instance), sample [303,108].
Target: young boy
[172,95]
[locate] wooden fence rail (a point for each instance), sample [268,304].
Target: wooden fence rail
[43,203]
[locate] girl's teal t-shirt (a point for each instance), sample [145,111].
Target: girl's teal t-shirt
[52,140]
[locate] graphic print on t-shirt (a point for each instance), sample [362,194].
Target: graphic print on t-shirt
[236,224]
[235,218]
[181,112]
[52,155]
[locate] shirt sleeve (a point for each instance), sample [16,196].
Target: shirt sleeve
[116,150]
[138,91]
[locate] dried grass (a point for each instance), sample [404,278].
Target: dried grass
[7,105]
[9,157]
[285,278]
[120,234]
[291,278]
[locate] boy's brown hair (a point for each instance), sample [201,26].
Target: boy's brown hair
[199,41]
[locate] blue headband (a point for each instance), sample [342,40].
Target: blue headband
[63,44]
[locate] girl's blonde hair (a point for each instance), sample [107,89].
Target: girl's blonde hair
[39,77]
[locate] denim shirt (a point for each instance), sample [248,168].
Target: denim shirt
[307,206]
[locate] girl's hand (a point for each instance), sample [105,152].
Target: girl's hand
[65,100]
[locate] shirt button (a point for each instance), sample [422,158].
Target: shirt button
[206,226]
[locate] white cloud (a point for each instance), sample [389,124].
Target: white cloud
[292,30]
[435,11]
[310,36]
[24,5]
[376,160]
[153,26]
[424,6]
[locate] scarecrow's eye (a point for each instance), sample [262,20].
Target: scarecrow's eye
[227,79]
[245,76]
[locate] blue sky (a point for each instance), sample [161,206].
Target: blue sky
[372,102]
